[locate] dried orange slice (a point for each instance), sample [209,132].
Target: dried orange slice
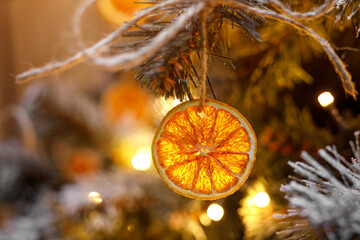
[204,155]
[119,11]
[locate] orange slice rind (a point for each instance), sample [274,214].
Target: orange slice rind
[204,155]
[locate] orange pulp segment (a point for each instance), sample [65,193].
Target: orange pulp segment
[204,155]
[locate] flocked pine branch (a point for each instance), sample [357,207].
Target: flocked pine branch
[328,197]
[347,10]
[166,56]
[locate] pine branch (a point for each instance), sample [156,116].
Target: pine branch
[329,199]
[338,64]
[319,12]
[162,57]
[172,70]
[347,9]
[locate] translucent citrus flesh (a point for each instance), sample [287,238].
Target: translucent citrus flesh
[204,154]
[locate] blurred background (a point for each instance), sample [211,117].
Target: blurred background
[75,159]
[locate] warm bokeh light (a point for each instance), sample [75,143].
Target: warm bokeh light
[215,212]
[141,161]
[261,199]
[163,106]
[205,220]
[325,99]
[176,102]
[95,197]
[250,202]
[118,11]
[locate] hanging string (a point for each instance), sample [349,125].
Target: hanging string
[53,67]
[204,60]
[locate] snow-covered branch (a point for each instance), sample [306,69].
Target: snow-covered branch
[328,197]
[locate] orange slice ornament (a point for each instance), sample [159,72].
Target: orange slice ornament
[204,154]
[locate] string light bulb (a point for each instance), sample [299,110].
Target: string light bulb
[215,212]
[141,161]
[325,99]
[95,197]
[261,199]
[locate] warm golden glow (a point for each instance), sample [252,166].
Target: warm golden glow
[203,152]
[250,202]
[130,141]
[163,106]
[95,197]
[141,161]
[176,102]
[325,99]
[258,221]
[261,199]
[215,212]
[118,11]
[205,220]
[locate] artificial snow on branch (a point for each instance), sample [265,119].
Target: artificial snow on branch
[164,35]
[328,197]
[323,9]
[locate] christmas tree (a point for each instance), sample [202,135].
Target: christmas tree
[180,119]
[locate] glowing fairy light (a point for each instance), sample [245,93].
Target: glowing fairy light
[95,197]
[325,99]
[215,212]
[261,199]
[141,161]
[205,220]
